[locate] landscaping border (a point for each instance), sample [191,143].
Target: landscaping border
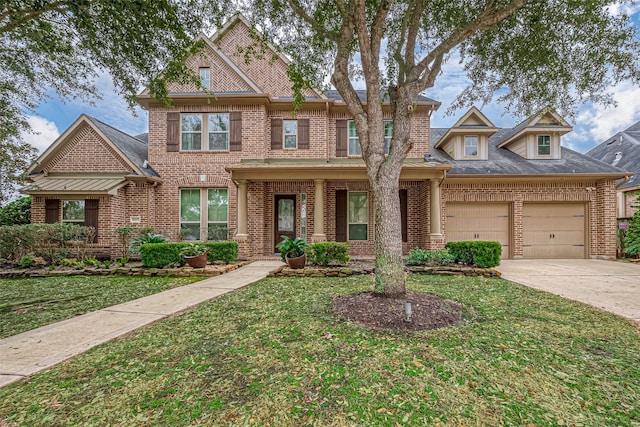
[284,271]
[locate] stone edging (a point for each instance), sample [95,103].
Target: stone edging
[208,271]
[347,271]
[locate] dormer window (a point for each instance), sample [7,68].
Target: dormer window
[471,146]
[205,77]
[544,145]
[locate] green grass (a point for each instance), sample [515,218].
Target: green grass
[274,354]
[26,304]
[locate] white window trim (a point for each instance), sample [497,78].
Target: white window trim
[204,142]
[285,134]
[538,145]
[464,147]
[348,219]
[204,211]
[355,138]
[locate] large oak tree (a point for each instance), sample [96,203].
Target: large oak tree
[530,53]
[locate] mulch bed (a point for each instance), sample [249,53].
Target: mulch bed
[375,312]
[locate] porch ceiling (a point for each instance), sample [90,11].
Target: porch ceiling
[334,169]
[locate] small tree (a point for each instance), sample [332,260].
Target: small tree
[17,212]
[632,239]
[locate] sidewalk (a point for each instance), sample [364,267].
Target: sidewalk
[33,351]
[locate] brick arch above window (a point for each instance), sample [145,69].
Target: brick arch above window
[210,180]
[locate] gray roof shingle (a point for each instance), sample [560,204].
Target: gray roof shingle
[625,146]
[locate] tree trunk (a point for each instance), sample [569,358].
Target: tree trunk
[389,272]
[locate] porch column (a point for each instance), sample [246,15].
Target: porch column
[242,210]
[318,212]
[436,220]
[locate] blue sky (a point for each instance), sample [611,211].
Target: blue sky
[592,123]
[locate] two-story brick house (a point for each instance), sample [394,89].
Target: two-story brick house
[236,160]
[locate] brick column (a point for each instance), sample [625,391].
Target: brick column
[318,212]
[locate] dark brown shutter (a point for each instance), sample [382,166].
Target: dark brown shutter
[341,215]
[51,211]
[404,201]
[303,134]
[173,131]
[235,131]
[276,134]
[91,216]
[341,138]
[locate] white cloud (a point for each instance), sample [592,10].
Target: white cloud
[43,133]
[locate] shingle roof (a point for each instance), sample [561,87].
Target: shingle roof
[362,94]
[502,161]
[135,149]
[627,144]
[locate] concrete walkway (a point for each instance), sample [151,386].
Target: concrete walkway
[33,351]
[609,285]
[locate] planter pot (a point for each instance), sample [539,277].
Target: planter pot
[298,262]
[198,261]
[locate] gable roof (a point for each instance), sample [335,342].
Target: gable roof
[472,120]
[625,147]
[532,122]
[503,162]
[131,149]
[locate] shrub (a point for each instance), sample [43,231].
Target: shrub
[325,253]
[291,248]
[27,261]
[158,255]
[17,212]
[136,242]
[46,240]
[425,257]
[632,239]
[477,253]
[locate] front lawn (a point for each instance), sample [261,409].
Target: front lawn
[274,354]
[30,303]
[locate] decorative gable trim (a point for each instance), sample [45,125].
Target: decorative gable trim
[473,122]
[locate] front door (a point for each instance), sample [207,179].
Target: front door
[285,217]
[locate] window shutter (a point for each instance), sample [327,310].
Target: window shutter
[276,134]
[404,203]
[303,134]
[341,215]
[91,216]
[235,131]
[173,131]
[51,211]
[341,138]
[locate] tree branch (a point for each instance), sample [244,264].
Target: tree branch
[298,10]
[17,18]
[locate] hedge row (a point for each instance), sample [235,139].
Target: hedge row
[477,252]
[158,255]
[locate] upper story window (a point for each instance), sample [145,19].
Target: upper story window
[544,145]
[214,125]
[73,211]
[290,133]
[388,134]
[354,142]
[470,146]
[205,77]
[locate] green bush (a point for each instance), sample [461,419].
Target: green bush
[46,240]
[27,261]
[158,255]
[432,258]
[325,253]
[632,239]
[17,212]
[477,253]
[145,237]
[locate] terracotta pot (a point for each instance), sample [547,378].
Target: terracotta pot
[198,261]
[298,262]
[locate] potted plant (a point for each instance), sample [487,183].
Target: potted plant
[292,251]
[195,255]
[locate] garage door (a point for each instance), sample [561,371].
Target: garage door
[553,230]
[479,221]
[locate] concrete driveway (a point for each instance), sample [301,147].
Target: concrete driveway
[610,285]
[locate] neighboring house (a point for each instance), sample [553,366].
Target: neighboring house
[623,151]
[237,163]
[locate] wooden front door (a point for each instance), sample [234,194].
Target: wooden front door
[285,217]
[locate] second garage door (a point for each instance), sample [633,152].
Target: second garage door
[553,230]
[479,221]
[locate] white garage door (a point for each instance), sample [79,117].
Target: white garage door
[479,221]
[553,230]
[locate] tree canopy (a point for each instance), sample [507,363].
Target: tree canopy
[530,53]
[60,46]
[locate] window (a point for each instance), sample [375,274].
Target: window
[290,133]
[213,226]
[191,128]
[470,146]
[544,145]
[358,215]
[388,134]
[205,77]
[218,131]
[214,125]
[303,215]
[354,142]
[73,211]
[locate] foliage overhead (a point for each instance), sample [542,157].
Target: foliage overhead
[17,212]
